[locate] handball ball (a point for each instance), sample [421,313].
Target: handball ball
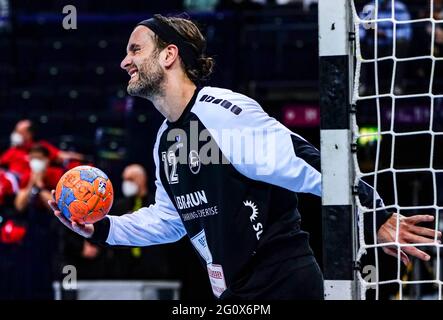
[84,194]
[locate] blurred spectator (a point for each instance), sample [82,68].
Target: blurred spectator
[8,187]
[36,260]
[41,180]
[15,159]
[385,39]
[10,231]
[134,186]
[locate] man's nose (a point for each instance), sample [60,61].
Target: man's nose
[125,62]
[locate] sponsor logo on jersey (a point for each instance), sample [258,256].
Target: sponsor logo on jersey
[191,200]
[215,271]
[200,213]
[217,279]
[194,162]
[201,245]
[258,227]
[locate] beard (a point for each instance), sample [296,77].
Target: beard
[150,80]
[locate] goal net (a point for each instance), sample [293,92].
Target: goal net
[397,134]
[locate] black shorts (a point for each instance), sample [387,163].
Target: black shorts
[297,278]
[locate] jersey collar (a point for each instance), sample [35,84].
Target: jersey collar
[187,109]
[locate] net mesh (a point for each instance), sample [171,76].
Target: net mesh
[397,126]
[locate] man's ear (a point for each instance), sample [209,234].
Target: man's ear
[170,55]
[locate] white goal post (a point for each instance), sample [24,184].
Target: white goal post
[365,125]
[338,222]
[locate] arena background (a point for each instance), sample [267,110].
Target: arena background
[69,83]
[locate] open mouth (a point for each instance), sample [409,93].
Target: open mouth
[132,73]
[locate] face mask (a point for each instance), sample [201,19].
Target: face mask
[37,165]
[129,188]
[16,139]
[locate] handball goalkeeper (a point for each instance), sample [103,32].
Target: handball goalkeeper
[227,175]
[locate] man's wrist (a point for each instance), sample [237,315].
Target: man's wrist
[101,231]
[381,216]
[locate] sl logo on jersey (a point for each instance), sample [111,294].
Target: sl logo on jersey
[170,166]
[194,162]
[258,227]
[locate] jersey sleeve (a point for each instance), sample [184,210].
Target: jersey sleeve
[156,224]
[259,146]
[262,149]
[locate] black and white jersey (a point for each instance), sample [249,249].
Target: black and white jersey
[227,175]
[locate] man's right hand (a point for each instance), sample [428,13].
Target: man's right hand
[85,230]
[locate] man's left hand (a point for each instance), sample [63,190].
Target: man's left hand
[409,232]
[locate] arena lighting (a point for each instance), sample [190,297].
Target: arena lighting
[368,135]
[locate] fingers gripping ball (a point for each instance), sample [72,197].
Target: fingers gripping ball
[84,194]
